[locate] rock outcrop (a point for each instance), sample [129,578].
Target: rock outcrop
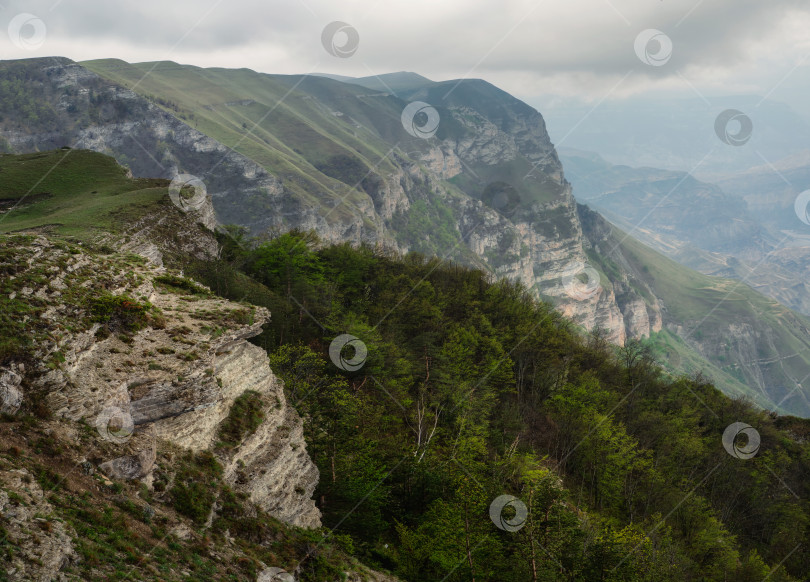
[10,394]
[172,381]
[640,311]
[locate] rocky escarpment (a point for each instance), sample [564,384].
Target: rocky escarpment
[150,359]
[530,229]
[488,189]
[641,311]
[496,172]
[171,235]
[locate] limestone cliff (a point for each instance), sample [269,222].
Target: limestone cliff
[487,190]
[170,380]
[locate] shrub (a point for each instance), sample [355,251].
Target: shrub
[120,312]
[178,284]
[193,494]
[245,416]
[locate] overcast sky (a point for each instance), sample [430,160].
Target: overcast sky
[582,48]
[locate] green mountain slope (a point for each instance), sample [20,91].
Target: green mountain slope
[73,192]
[741,332]
[287,132]
[285,152]
[305,122]
[468,390]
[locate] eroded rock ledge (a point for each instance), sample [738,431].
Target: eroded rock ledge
[173,381]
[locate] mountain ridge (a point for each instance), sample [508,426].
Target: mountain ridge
[309,153]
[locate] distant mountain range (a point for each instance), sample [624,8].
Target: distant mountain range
[682,134]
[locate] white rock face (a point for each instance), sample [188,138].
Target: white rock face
[172,382]
[272,464]
[534,245]
[443,162]
[10,394]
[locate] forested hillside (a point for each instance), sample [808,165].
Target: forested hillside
[426,391]
[458,389]
[361,292]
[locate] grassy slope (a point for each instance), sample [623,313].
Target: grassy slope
[289,134]
[706,306]
[294,126]
[296,133]
[124,531]
[77,192]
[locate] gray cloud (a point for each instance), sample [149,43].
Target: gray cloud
[575,47]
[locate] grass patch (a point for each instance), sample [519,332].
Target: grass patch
[193,494]
[181,285]
[68,190]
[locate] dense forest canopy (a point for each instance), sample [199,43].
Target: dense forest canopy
[446,391]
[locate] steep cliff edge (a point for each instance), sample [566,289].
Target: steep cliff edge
[141,433]
[312,153]
[121,342]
